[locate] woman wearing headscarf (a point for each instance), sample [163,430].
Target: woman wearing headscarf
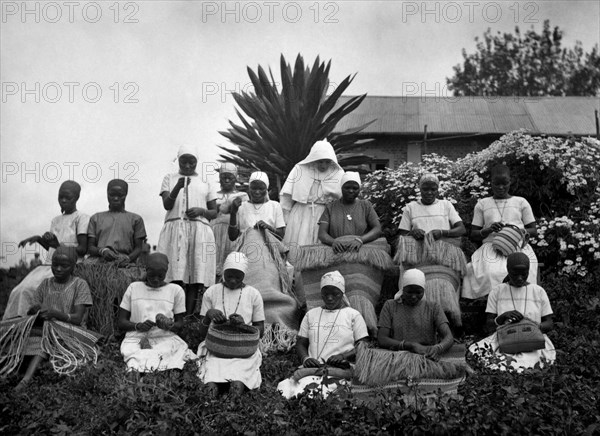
[313,183]
[227,178]
[186,237]
[350,231]
[258,227]
[328,336]
[151,312]
[430,232]
[234,302]
[509,303]
[67,229]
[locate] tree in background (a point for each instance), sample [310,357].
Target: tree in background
[288,120]
[527,65]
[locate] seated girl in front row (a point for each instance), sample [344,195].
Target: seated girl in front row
[150,313]
[237,303]
[62,298]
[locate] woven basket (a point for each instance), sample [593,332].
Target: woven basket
[510,239]
[232,341]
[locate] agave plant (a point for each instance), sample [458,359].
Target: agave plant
[279,126]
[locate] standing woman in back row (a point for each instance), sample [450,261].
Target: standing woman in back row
[186,237]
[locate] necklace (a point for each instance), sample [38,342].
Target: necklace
[319,331]
[238,302]
[503,207]
[349,211]
[513,300]
[257,209]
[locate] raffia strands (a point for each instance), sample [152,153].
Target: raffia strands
[376,367]
[446,252]
[107,285]
[13,336]
[374,254]
[277,338]
[443,252]
[69,346]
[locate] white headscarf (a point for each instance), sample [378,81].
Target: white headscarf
[187,149]
[300,180]
[411,277]
[228,167]
[260,176]
[236,260]
[335,279]
[429,177]
[351,176]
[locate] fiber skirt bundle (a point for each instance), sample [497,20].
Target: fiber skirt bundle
[445,251]
[363,272]
[377,367]
[232,341]
[107,284]
[13,337]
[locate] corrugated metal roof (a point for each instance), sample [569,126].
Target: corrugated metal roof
[492,115]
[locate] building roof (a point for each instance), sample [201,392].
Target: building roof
[464,115]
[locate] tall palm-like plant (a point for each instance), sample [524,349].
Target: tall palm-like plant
[279,126]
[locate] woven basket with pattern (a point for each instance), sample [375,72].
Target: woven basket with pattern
[232,341]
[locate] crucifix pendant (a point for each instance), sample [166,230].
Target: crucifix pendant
[349,217]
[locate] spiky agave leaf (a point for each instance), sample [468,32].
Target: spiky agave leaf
[279,125]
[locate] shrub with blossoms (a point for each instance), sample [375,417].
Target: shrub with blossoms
[558,176]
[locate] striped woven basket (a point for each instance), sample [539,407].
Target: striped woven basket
[232,341]
[510,239]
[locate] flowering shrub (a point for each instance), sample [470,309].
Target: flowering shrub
[559,177]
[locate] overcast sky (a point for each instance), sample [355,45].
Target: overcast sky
[95,90]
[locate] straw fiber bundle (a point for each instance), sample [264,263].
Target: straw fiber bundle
[13,336]
[375,254]
[375,367]
[107,284]
[276,337]
[69,346]
[445,251]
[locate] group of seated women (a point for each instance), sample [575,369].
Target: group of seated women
[331,251]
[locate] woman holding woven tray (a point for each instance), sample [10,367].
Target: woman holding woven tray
[55,325]
[70,229]
[509,303]
[430,232]
[151,312]
[228,192]
[228,359]
[327,338]
[258,227]
[491,215]
[350,231]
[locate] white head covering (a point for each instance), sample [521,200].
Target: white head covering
[320,150]
[187,149]
[429,177]
[351,176]
[260,176]
[228,167]
[336,279]
[236,260]
[411,277]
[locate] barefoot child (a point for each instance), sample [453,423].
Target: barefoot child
[150,313]
[186,237]
[70,229]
